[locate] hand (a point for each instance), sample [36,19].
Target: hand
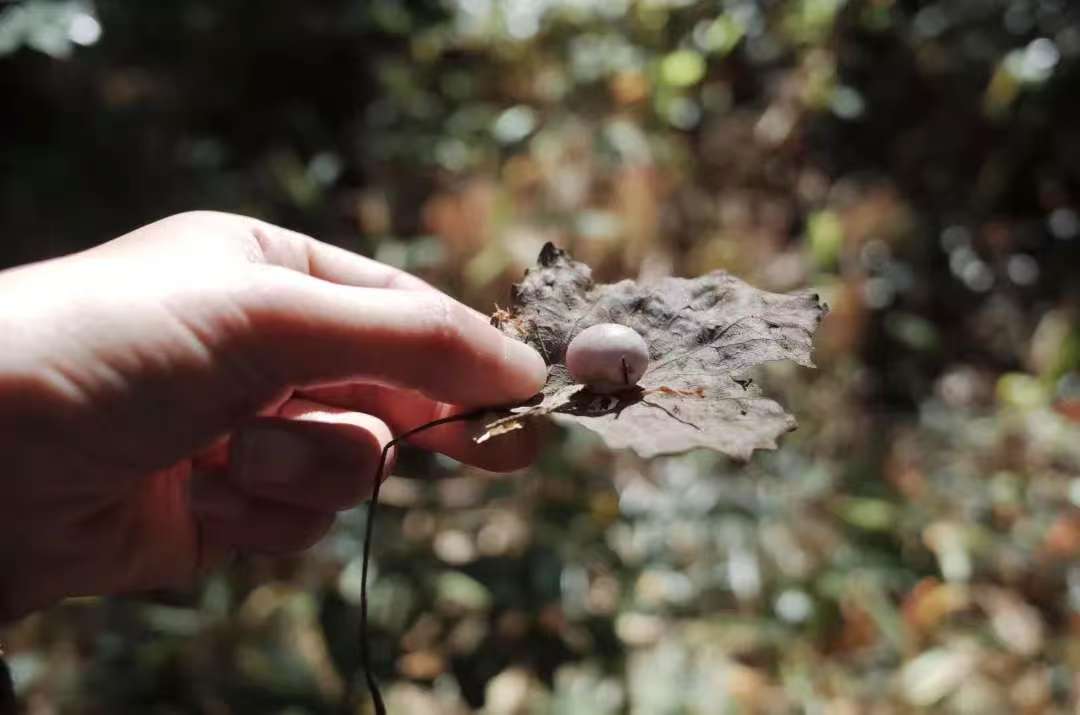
[212,383]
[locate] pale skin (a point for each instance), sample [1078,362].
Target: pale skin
[212,384]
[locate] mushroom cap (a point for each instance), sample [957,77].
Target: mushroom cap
[607,357]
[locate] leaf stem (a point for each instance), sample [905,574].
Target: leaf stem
[348,701]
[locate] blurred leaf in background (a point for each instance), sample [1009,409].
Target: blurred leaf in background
[913,546]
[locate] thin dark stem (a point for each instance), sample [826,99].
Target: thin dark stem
[365,649]
[348,701]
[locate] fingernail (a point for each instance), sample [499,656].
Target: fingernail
[209,497]
[273,457]
[528,363]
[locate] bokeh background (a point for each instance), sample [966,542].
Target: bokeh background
[912,547]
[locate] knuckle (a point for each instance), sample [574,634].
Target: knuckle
[186,217]
[198,222]
[217,228]
[279,246]
[400,280]
[444,329]
[199,215]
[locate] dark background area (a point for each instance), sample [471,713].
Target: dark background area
[913,545]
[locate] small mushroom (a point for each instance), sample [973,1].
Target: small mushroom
[607,357]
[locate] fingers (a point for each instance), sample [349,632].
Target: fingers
[313,313]
[306,332]
[304,254]
[404,410]
[366,320]
[311,456]
[288,475]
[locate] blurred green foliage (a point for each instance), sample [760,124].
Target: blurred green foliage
[913,546]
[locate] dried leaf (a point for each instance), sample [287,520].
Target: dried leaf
[703,334]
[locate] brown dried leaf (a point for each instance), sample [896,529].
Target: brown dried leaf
[703,335]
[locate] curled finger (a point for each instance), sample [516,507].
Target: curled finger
[310,455]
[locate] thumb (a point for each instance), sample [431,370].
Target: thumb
[288,475]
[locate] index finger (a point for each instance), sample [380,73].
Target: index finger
[308,332]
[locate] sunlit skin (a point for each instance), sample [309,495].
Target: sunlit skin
[211,383]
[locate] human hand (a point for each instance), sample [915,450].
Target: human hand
[211,383]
